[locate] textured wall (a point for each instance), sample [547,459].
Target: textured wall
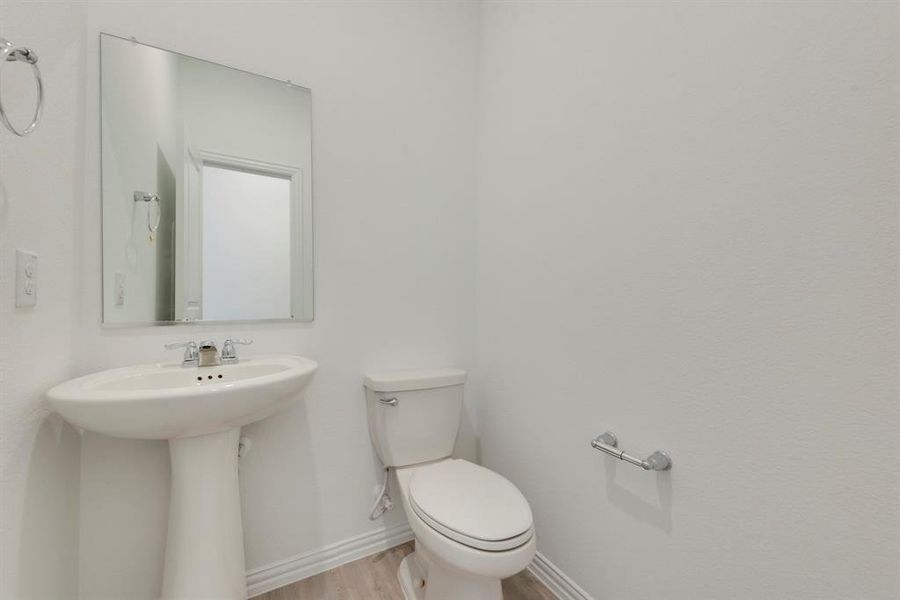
[688,234]
[40,191]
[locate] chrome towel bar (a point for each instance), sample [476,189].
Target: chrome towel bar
[607,442]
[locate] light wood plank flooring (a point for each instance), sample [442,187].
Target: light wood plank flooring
[375,578]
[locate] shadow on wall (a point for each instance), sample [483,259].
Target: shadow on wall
[48,550]
[4,204]
[276,475]
[659,514]
[468,445]
[165,239]
[125,507]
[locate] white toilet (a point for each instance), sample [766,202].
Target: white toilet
[472,526]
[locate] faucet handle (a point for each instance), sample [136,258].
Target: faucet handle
[191,354]
[229,354]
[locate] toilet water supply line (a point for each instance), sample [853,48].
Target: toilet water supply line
[384,502]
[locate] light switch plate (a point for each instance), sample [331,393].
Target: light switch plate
[26,278]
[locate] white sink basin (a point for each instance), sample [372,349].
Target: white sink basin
[200,410]
[166,401]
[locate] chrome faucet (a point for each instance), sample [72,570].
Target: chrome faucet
[229,354]
[209,354]
[191,355]
[205,353]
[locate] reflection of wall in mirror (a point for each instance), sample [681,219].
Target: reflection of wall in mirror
[140,154]
[229,112]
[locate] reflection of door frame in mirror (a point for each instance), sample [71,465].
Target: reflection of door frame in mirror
[188,268]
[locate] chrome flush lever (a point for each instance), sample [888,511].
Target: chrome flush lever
[388,401]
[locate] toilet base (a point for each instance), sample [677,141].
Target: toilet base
[442,583]
[412,578]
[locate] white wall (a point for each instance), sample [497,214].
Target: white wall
[394,125]
[688,234]
[40,190]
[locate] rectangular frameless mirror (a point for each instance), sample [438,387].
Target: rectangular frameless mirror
[207,190]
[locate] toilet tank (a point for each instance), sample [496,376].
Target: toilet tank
[414,414]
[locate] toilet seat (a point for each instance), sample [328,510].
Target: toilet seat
[471,505]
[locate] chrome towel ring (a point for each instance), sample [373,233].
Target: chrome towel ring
[9,53]
[152,221]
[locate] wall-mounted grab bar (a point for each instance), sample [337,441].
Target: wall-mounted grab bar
[607,442]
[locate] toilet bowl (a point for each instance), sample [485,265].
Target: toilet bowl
[472,529]
[472,526]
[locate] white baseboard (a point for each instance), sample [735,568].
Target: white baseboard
[555,580]
[284,572]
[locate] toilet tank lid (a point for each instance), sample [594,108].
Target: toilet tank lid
[413,379]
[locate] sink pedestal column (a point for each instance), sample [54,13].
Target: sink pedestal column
[205,545]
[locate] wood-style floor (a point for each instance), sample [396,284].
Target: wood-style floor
[375,578]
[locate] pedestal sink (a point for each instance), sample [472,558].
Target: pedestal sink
[200,410]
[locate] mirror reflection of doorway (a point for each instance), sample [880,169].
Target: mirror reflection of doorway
[246,232]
